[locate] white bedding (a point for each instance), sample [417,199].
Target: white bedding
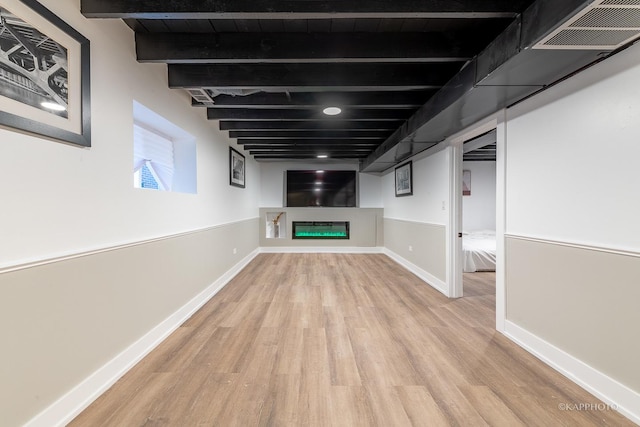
[479,251]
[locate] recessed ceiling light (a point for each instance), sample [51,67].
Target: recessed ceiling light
[322,156]
[332,111]
[53,106]
[319,171]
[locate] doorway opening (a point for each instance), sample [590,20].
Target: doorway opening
[478,215]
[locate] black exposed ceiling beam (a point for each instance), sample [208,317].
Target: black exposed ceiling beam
[311,77]
[295,9]
[504,73]
[382,99]
[485,158]
[316,114]
[288,125]
[309,134]
[285,148]
[481,152]
[475,158]
[303,150]
[304,156]
[310,142]
[220,48]
[356,157]
[484,29]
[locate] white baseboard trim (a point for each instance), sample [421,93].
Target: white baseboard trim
[427,277]
[80,397]
[321,249]
[610,391]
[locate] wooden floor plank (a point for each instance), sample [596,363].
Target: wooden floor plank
[350,407]
[386,406]
[420,406]
[342,361]
[492,409]
[342,340]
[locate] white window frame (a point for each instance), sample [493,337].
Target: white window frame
[182,177]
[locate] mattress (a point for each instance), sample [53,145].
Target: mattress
[479,251]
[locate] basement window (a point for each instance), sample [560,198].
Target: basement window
[146,177]
[153,165]
[164,155]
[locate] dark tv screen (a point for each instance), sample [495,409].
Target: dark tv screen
[329,188]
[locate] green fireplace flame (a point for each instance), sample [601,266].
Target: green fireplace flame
[320,230]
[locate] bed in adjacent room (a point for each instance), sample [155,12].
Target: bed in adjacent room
[479,251]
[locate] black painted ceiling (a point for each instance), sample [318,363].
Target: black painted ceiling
[265,69]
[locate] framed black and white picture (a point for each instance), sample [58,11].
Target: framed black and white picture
[44,74]
[404,180]
[236,168]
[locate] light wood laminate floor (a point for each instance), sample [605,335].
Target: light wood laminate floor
[342,340]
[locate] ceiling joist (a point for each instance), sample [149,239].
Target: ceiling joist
[310,149]
[307,125]
[311,142]
[313,148]
[237,48]
[406,73]
[295,9]
[306,77]
[370,99]
[317,115]
[309,134]
[305,156]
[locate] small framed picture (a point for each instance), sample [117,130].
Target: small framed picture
[236,168]
[466,182]
[404,180]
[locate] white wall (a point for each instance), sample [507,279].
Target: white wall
[118,284]
[416,226]
[59,198]
[579,171]
[272,175]
[370,190]
[430,199]
[479,209]
[572,257]
[365,229]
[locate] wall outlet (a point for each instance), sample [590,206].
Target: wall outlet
[443,205]
[410,248]
[235,251]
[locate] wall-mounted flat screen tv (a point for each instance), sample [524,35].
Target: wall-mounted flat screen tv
[321,188]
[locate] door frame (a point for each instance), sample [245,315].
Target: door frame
[454,235]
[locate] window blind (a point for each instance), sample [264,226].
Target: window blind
[155,149]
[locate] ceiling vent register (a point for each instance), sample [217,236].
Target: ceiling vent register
[201,96]
[604,25]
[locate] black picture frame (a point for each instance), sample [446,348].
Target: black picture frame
[237,168]
[404,179]
[18,113]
